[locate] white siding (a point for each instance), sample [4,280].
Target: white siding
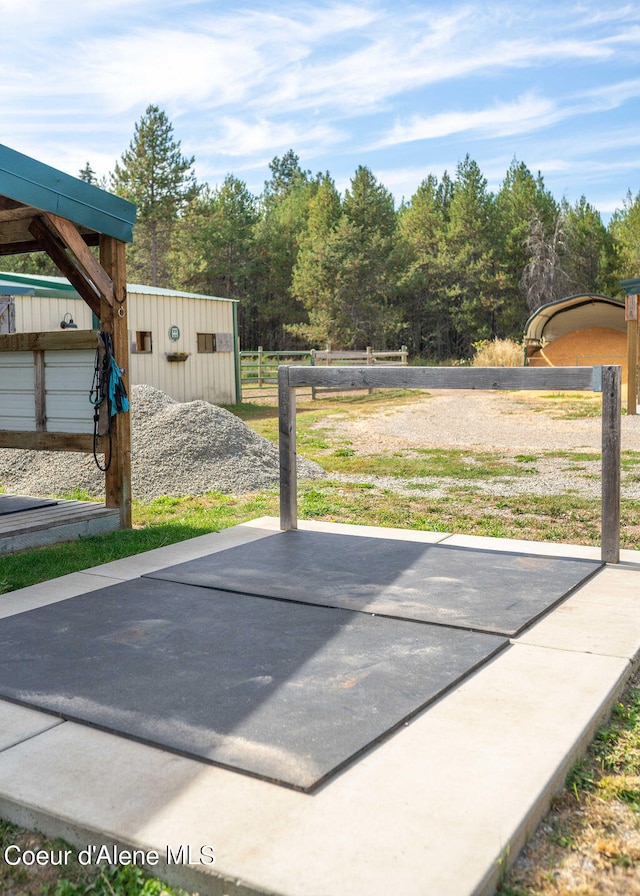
[17,392]
[203,375]
[67,375]
[210,376]
[68,379]
[39,315]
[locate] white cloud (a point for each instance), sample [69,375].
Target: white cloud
[238,137]
[521,116]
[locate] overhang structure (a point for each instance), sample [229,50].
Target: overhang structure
[45,210]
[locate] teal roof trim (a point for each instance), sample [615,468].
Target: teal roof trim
[33,183]
[631,287]
[48,287]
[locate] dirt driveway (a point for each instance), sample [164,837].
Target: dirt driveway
[529,427]
[515,423]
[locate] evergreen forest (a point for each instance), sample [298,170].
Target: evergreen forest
[453,265]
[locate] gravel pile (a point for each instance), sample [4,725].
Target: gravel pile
[177,449]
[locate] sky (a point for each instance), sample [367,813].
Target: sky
[406,88]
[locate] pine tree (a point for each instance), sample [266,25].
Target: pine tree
[422,227]
[155,176]
[350,302]
[284,214]
[473,282]
[624,227]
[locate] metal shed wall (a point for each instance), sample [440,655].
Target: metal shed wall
[208,376]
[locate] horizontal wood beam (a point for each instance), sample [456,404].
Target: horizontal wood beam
[23,246]
[50,441]
[51,341]
[566,378]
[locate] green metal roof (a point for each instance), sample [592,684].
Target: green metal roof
[35,184]
[51,287]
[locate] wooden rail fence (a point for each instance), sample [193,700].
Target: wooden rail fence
[259,369]
[604,379]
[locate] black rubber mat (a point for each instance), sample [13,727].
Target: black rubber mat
[287,692]
[488,591]
[18,504]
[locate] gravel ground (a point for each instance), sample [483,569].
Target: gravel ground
[178,448]
[492,421]
[195,447]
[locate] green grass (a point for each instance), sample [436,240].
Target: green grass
[588,844]
[563,518]
[71,878]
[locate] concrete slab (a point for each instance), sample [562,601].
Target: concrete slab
[141,564]
[432,809]
[17,723]
[474,773]
[601,618]
[50,592]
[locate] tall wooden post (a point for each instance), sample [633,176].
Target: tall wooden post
[611,432]
[631,317]
[287,442]
[114,321]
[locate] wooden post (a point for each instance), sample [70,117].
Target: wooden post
[114,321]
[611,430]
[287,444]
[40,391]
[631,316]
[260,366]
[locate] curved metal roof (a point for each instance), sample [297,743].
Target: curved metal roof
[575,313]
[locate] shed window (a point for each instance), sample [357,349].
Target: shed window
[143,343]
[206,342]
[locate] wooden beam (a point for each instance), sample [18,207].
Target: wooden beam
[50,441]
[611,438]
[631,317]
[40,390]
[66,265]
[287,446]
[89,265]
[565,378]
[114,320]
[50,341]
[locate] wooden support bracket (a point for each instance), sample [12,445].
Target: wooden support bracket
[65,263]
[88,264]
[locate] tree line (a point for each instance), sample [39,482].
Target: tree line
[453,265]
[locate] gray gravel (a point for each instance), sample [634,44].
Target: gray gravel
[178,449]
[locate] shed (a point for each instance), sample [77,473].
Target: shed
[580,330]
[185,344]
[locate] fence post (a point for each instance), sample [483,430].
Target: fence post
[404,355]
[611,427]
[260,366]
[313,364]
[287,446]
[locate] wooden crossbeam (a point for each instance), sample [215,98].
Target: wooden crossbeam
[49,341]
[51,441]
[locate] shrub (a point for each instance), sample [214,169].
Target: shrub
[498,353]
